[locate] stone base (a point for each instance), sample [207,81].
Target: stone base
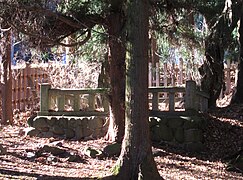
[69,127]
[184,130]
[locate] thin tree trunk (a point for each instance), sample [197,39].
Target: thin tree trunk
[7,112]
[238,95]
[117,77]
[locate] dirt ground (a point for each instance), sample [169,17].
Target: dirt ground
[223,137]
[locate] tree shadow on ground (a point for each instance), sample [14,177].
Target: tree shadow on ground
[9,174]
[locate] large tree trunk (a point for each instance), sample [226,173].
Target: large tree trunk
[238,95]
[117,76]
[7,112]
[136,160]
[212,70]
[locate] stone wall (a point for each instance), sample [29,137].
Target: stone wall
[186,131]
[68,127]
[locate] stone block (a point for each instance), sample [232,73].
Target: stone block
[33,132]
[52,121]
[96,133]
[79,122]
[92,124]
[100,121]
[179,135]
[85,121]
[79,132]
[194,146]
[163,120]
[87,131]
[44,129]
[47,134]
[192,122]
[193,135]
[72,123]
[30,120]
[63,122]
[58,130]
[40,122]
[175,122]
[153,121]
[112,149]
[69,133]
[161,132]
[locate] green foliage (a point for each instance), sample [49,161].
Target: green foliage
[116,169]
[95,50]
[85,7]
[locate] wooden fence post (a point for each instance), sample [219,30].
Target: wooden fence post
[44,98]
[157,74]
[150,79]
[190,97]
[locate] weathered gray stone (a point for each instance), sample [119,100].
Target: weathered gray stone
[92,124]
[175,122]
[53,150]
[58,130]
[192,122]
[99,121]
[33,132]
[30,120]
[163,120]
[192,112]
[44,129]
[153,121]
[72,123]
[92,152]
[40,122]
[63,122]
[79,132]
[193,135]
[47,134]
[3,150]
[70,133]
[112,149]
[52,121]
[87,131]
[75,158]
[161,132]
[79,122]
[97,133]
[179,135]
[194,146]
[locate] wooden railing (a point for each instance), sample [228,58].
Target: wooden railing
[73,102]
[192,98]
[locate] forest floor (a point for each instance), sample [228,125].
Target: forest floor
[223,137]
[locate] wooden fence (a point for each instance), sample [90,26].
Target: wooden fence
[27,79]
[26,82]
[172,74]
